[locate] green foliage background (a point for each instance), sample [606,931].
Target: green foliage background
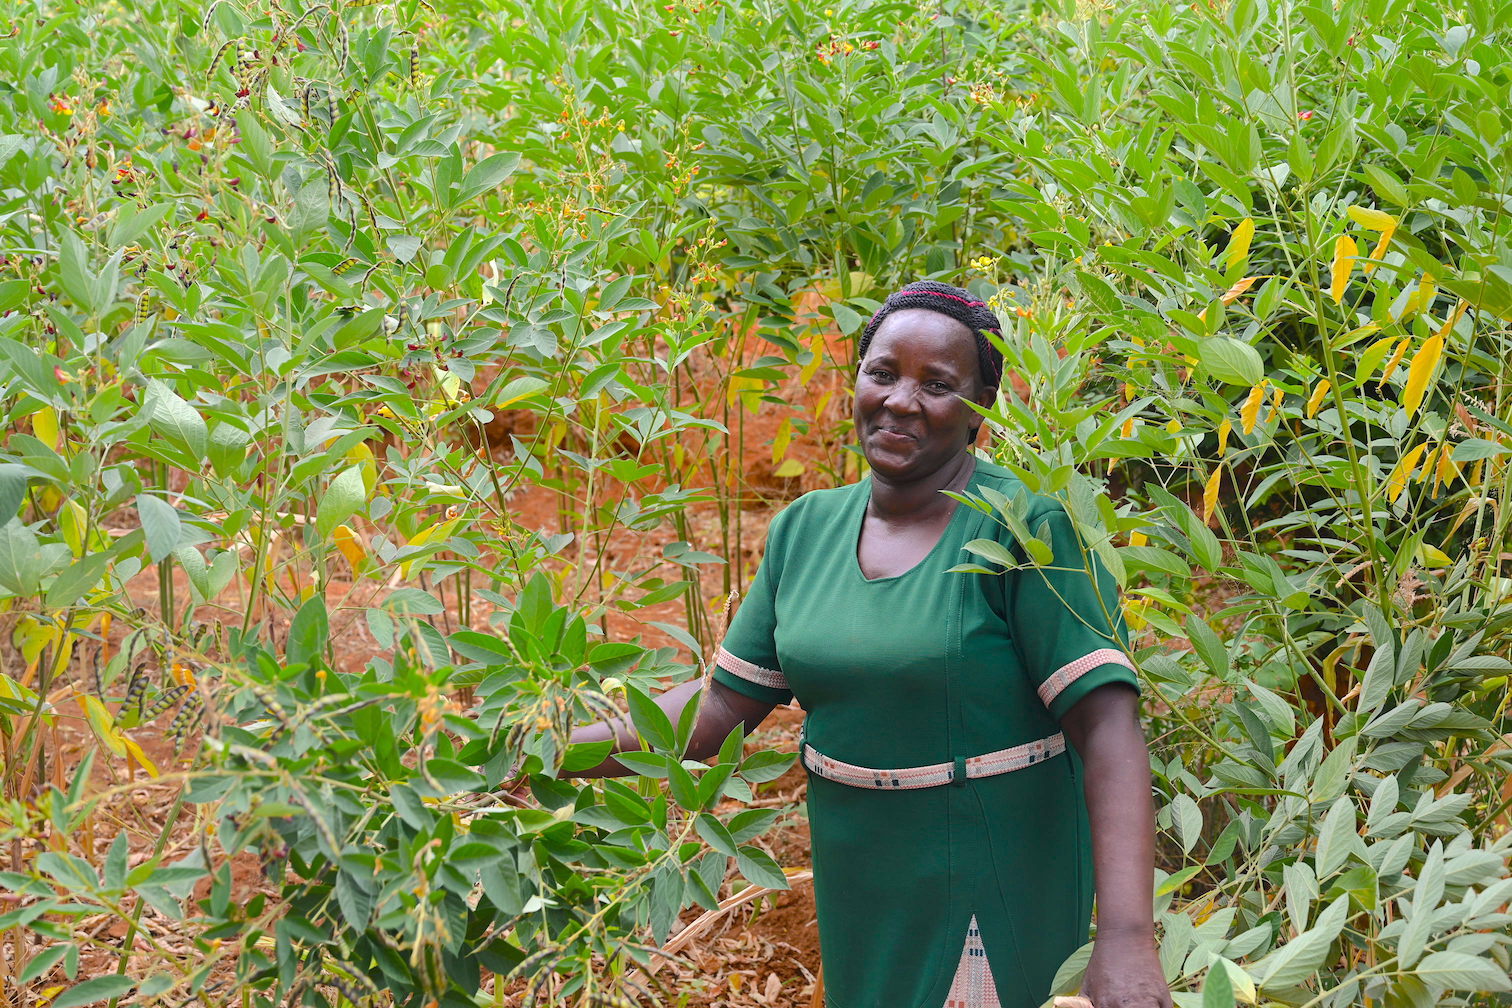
[269,270]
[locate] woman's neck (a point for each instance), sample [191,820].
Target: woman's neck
[920,499]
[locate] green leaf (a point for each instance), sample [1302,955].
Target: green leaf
[1466,451]
[160,524]
[1460,971]
[584,755]
[20,565]
[404,246]
[1297,960]
[650,720]
[757,866]
[1186,818]
[486,174]
[12,490]
[346,494]
[991,549]
[1230,360]
[1334,836]
[715,834]
[90,991]
[173,417]
[1217,989]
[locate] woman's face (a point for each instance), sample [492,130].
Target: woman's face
[910,416]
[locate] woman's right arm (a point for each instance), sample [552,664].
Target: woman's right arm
[721,710]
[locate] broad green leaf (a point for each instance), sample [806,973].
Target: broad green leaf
[178,421]
[92,991]
[160,524]
[342,499]
[1230,360]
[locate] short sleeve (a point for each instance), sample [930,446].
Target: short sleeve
[747,657]
[1067,620]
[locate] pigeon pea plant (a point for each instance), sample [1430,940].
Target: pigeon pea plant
[1262,338]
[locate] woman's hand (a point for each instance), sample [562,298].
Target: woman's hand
[1125,972]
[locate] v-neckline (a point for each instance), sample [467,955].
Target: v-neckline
[858,522]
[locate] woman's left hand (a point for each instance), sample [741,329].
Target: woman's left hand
[1125,972]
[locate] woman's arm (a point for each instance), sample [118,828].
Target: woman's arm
[1125,969]
[720,711]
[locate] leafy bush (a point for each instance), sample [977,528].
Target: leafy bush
[299,298]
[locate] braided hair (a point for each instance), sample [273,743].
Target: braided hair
[955,302]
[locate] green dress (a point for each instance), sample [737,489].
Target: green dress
[932,667]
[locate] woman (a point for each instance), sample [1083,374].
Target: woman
[949,820]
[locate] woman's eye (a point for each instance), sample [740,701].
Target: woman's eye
[879,375]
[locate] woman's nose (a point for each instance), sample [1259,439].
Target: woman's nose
[903,397]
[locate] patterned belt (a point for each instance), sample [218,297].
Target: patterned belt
[956,772]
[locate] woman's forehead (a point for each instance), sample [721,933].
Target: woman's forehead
[918,329]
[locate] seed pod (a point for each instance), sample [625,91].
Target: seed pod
[414,63]
[330,101]
[186,719]
[346,266]
[304,101]
[215,63]
[333,187]
[143,308]
[345,43]
[136,688]
[536,958]
[165,699]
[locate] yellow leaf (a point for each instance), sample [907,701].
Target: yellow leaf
[781,439]
[1173,426]
[360,454]
[1427,290]
[439,533]
[1397,482]
[1224,429]
[1394,359]
[1432,556]
[1138,538]
[1128,428]
[1423,365]
[816,347]
[1345,251]
[1372,220]
[1210,495]
[103,724]
[45,427]
[1239,245]
[1379,250]
[1275,405]
[1448,469]
[350,546]
[140,756]
[1250,413]
[1315,400]
[742,388]
[789,469]
[1233,293]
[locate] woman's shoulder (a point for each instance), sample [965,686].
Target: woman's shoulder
[817,506]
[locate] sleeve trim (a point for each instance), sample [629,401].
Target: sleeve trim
[750,671]
[1067,674]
